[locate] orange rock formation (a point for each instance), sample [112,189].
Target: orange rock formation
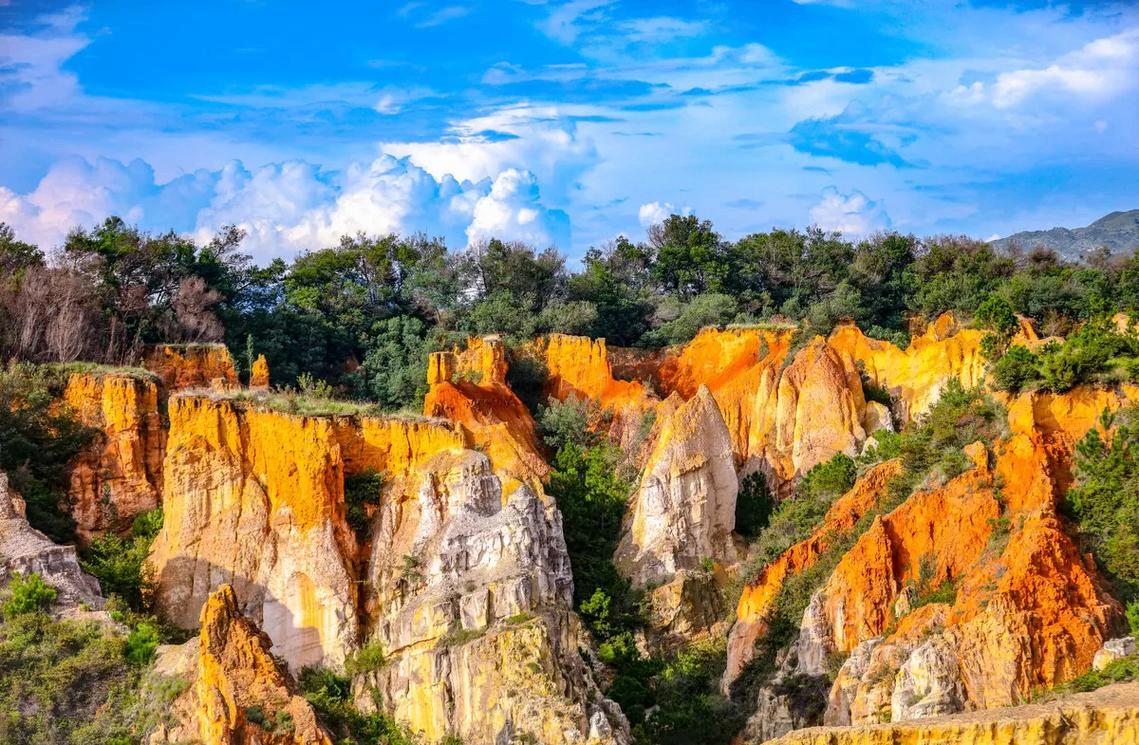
[468,388]
[915,376]
[120,474]
[240,696]
[758,595]
[259,374]
[182,366]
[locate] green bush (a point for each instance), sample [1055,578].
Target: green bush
[40,437]
[28,593]
[141,644]
[1133,618]
[567,422]
[362,491]
[331,698]
[996,314]
[368,658]
[1016,369]
[829,479]
[120,563]
[1102,500]
[754,505]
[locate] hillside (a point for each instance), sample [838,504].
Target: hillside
[1118,231]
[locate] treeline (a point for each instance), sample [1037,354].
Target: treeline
[363,314]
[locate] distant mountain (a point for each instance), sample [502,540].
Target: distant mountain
[1119,231]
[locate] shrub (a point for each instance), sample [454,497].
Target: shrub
[141,644]
[40,437]
[1133,618]
[829,479]
[1017,368]
[331,698]
[1102,500]
[754,504]
[28,594]
[366,659]
[996,313]
[120,563]
[567,422]
[362,492]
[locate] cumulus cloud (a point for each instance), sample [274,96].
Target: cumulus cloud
[654,212]
[850,214]
[1103,68]
[286,207]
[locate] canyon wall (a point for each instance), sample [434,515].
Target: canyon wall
[119,475]
[185,366]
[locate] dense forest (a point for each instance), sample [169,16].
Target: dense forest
[362,315]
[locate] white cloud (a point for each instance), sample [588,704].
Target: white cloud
[654,212]
[1101,69]
[31,64]
[661,29]
[512,211]
[852,214]
[286,207]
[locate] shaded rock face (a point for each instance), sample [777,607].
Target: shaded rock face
[1109,715]
[183,366]
[473,607]
[684,510]
[25,550]
[239,695]
[118,476]
[468,387]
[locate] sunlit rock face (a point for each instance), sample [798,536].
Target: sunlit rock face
[916,375]
[184,366]
[468,387]
[683,512]
[238,693]
[1109,715]
[119,475]
[24,550]
[1027,610]
[473,607]
[468,590]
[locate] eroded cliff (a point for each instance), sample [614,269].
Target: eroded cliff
[119,475]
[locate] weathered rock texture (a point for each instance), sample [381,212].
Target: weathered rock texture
[239,694]
[119,475]
[25,550]
[916,375]
[1029,611]
[182,366]
[684,510]
[758,595]
[469,590]
[473,606]
[259,374]
[468,387]
[255,499]
[1109,715]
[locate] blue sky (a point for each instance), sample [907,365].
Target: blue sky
[565,122]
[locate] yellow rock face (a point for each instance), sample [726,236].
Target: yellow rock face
[237,676]
[182,366]
[468,387]
[120,474]
[916,375]
[1109,715]
[259,374]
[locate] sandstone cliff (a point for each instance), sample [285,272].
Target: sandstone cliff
[119,475]
[25,550]
[684,510]
[916,375]
[468,387]
[182,366]
[1109,715]
[473,607]
[239,695]
[468,589]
